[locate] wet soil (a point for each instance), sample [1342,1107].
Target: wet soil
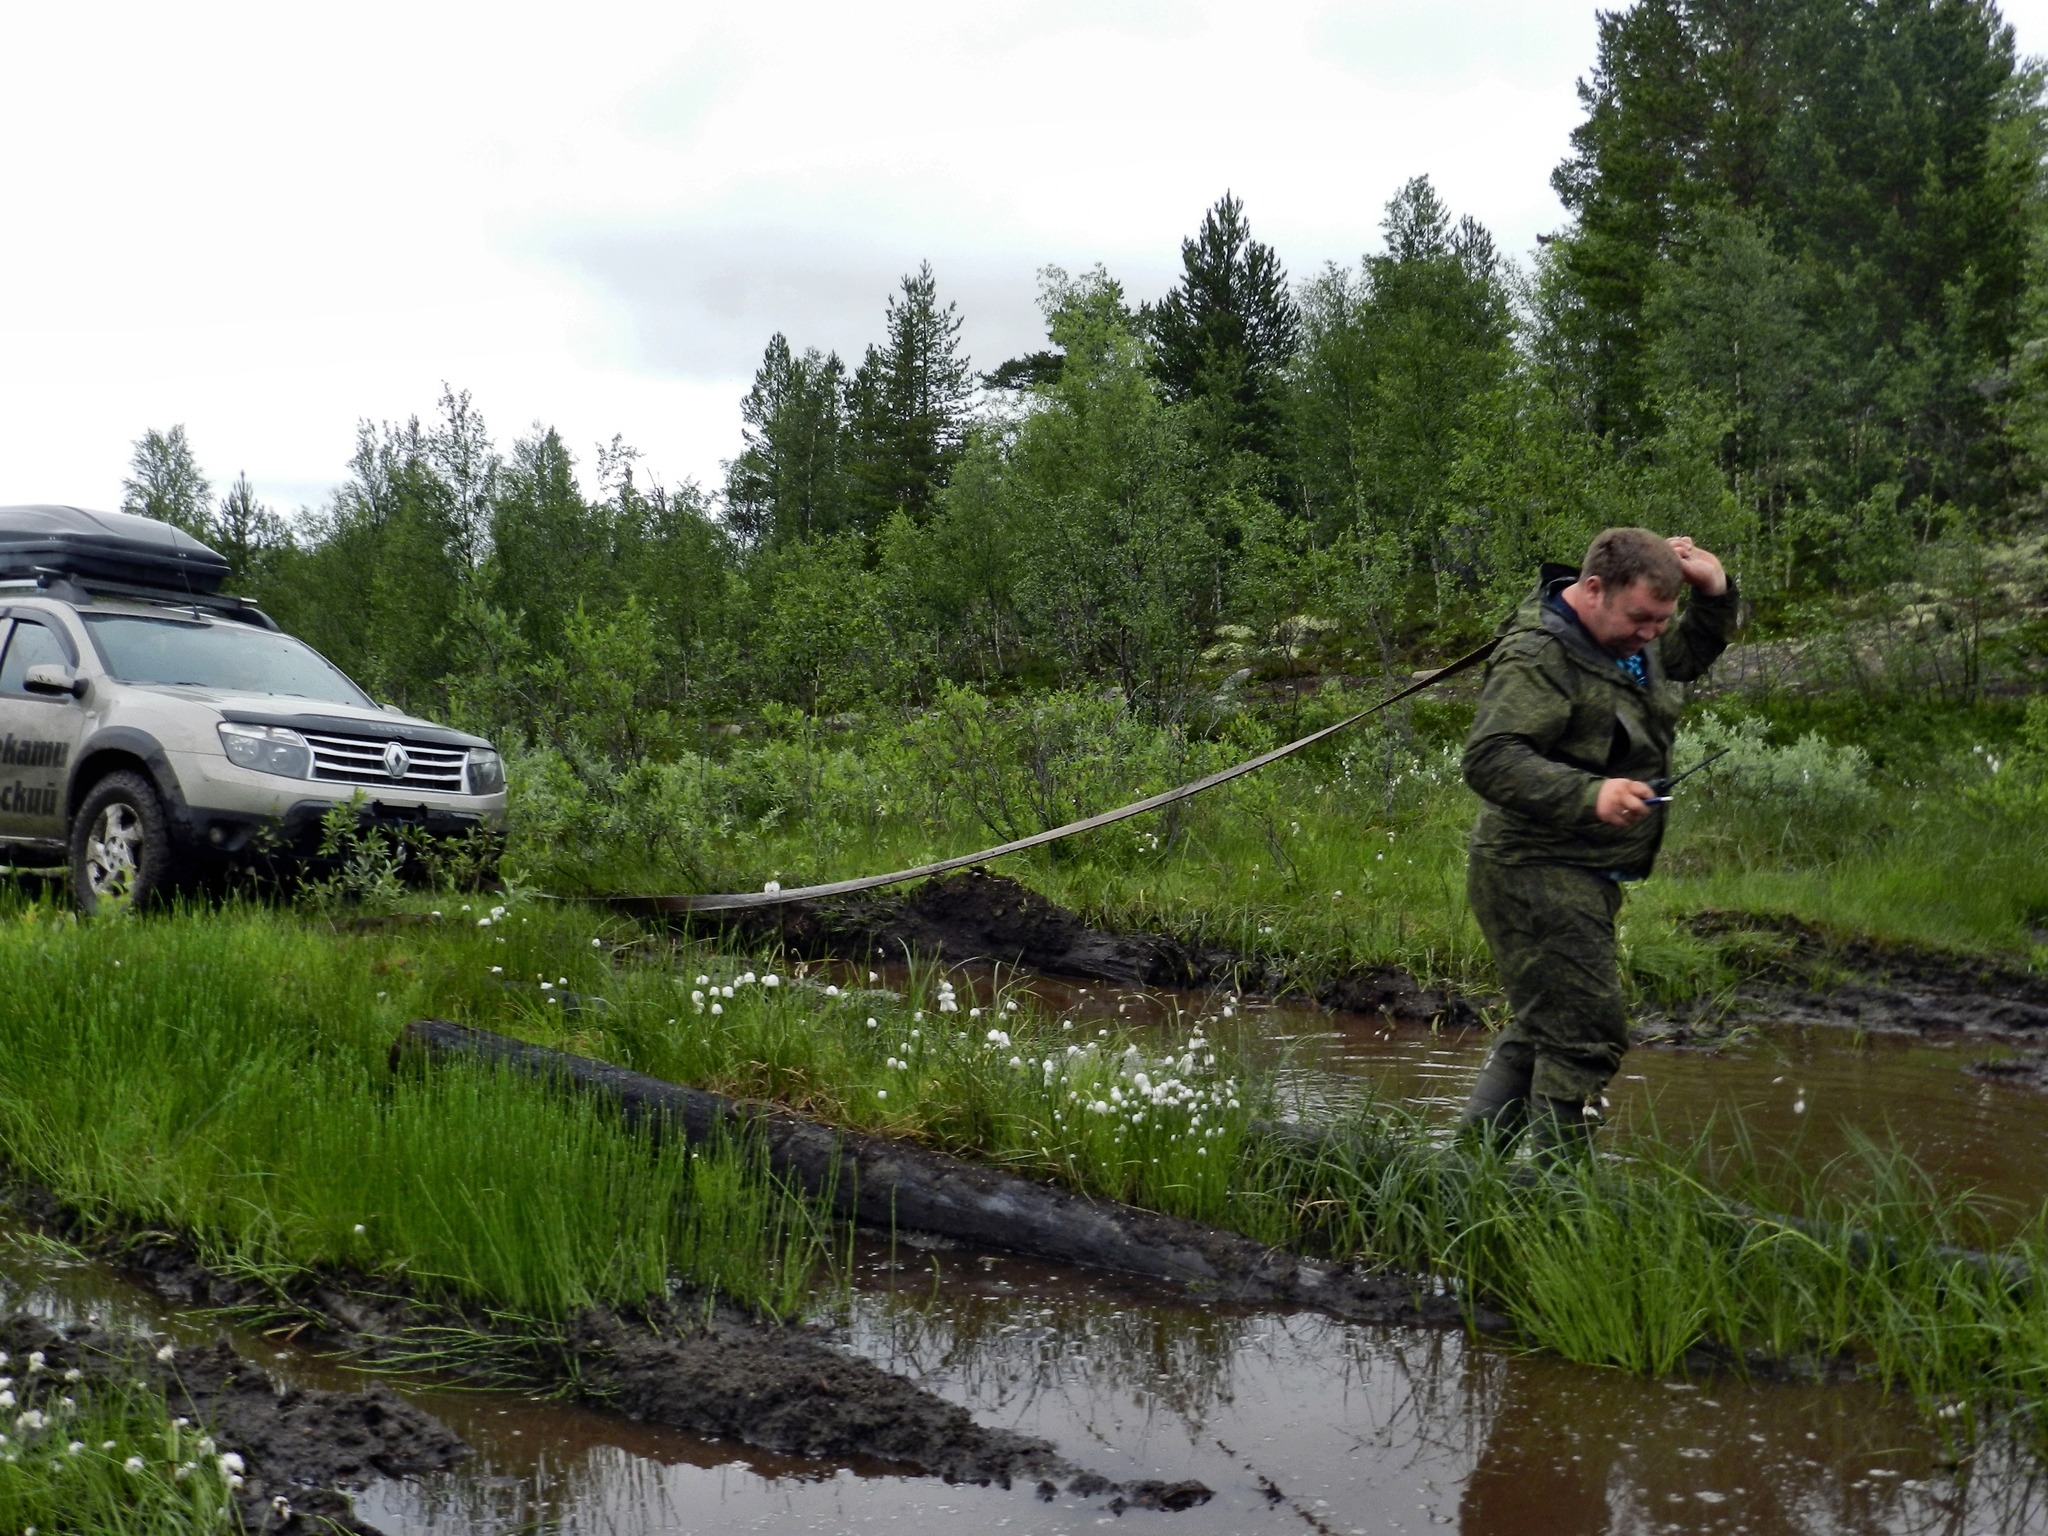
[1298,1421]
[1797,973]
[1302,1424]
[692,1364]
[2027,1069]
[978,916]
[894,1184]
[301,1445]
[1801,973]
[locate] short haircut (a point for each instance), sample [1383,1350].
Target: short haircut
[1621,557]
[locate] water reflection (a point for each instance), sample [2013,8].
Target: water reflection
[1298,1422]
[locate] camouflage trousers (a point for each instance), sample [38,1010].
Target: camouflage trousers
[1551,929]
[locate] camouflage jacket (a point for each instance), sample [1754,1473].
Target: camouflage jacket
[1559,714]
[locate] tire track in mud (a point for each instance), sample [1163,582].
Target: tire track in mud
[298,1446]
[1799,973]
[693,1363]
[979,916]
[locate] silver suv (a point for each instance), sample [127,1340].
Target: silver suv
[150,726]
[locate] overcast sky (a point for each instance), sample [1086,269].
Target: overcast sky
[268,222]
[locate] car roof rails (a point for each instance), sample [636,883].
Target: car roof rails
[74,588]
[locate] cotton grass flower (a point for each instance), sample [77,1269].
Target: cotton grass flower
[132,1465]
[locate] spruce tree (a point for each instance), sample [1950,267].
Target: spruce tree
[1885,151]
[1224,335]
[788,481]
[907,407]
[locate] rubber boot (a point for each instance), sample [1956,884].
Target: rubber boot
[1499,1105]
[1561,1131]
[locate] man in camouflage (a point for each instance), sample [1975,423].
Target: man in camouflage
[1579,710]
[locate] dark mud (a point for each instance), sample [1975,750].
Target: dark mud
[2028,1069]
[977,916]
[1800,973]
[297,1445]
[692,1364]
[891,1184]
[1794,972]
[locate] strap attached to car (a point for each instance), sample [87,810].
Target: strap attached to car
[736,901]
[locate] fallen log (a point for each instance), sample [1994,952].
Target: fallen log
[899,1186]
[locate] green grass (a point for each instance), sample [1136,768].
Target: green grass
[226,1077]
[1352,856]
[1668,1258]
[117,1464]
[222,1073]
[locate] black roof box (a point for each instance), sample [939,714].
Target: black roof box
[107,546]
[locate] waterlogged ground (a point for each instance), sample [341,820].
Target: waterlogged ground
[1300,1424]
[1808,1090]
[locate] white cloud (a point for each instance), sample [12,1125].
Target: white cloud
[267,222]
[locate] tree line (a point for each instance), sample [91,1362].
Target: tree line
[1797,311]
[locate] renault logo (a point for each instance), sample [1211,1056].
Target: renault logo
[397,760]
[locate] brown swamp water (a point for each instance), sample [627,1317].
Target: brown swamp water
[1301,1424]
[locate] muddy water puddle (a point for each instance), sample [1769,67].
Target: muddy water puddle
[1299,1423]
[1809,1090]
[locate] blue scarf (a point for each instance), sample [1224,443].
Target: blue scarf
[1635,668]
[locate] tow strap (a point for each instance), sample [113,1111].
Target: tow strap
[736,901]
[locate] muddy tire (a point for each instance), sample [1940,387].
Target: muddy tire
[121,855]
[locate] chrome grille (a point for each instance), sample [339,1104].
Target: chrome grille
[360,760]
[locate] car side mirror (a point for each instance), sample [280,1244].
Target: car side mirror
[51,679]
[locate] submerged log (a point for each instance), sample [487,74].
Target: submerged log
[899,1186]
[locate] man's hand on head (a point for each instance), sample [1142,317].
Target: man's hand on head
[1624,802]
[1702,569]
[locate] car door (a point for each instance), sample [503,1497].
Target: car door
[38,732]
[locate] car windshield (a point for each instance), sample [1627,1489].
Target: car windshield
[203,655]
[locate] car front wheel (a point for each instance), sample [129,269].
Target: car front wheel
[121,854]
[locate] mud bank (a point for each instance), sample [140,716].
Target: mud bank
[1796,973]
[298,1446]
[1800,973]
[890,1184]
[692,1364]
[978,916]
[2028,1069]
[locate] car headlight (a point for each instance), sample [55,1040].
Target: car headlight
[267,749]
[486,771]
